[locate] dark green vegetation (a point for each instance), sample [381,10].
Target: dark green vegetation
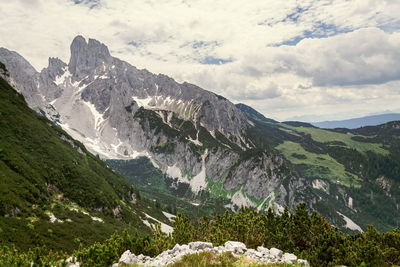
[53,192]
[357,170]
[308,235]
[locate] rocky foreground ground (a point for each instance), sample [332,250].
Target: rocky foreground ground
[238,249]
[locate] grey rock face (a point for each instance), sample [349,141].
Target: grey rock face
[87,56]
[22,76]
[48,78]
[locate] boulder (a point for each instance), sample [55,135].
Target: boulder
[176,249]
[289,258]
[254,254]
[275,253]
[200,245]
[236,247]
[263,250]
[127,258]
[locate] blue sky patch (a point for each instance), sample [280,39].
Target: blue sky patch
[215,61]
[321,30]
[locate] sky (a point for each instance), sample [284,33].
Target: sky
[309,60]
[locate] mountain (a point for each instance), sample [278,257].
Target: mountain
[205,150]
[194,136]
[359,122]
[53,191]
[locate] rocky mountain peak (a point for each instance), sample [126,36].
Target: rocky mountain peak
[56,67]
[87,56]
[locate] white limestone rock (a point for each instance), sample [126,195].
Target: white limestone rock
[236,247]
[289,258]
[200,245]
[264,251]
[127,258]
[275,253]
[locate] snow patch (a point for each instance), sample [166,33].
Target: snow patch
[170,216]
[240,200]
[52,218]
[104,76]
[147,223]
[196,141]
[143,102]
[98,117]
[175,172]
[63,78]
[165,228]
[97,219]
[350,203]
[271,199]
[321,185]
[350,224]
[199,182]
[260,207]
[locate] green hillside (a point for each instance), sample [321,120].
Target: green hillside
[355,171]
[53,192]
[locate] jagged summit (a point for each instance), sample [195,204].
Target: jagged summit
[86,56]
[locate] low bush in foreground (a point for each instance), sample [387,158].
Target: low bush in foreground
[307,235]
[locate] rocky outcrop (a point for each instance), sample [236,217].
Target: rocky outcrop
[23,77]
[238,249]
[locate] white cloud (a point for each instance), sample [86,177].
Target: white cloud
[343,51]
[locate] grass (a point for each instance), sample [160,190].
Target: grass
[211,259]
[325,136]
[217,189]
[318,165]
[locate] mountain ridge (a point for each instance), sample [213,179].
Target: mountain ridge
[208,148]
[353,123]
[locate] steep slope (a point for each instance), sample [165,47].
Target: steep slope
[53,191]
[359,122]
[354,172]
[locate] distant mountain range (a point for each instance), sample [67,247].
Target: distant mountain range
[358,122]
